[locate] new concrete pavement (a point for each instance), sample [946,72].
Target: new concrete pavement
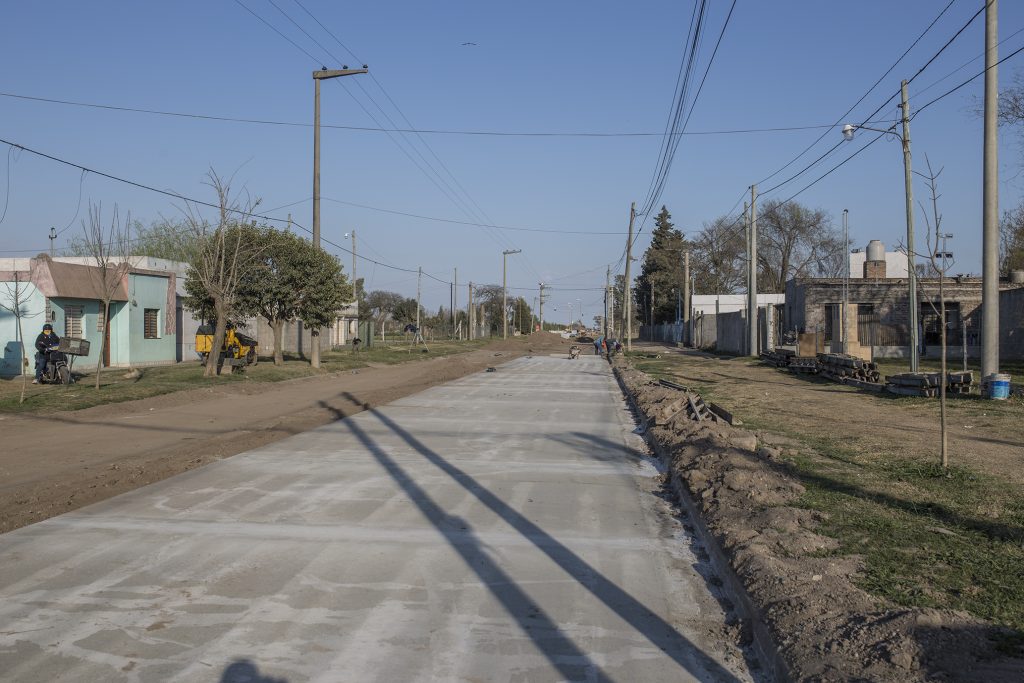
[502,527]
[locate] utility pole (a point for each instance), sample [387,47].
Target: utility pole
[846,281]
[752,265]
[990,202]
[908,178]
[419,280]
[455,299]
[650,308]
[53,236]
[686,296]
[541,301]
[470,318]
[504,290]
[355,280]
[607,298]
[627,290]
[321,75]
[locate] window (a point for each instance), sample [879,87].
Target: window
[151,323]
[73,321]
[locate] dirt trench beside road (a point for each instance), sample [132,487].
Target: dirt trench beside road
[51,464]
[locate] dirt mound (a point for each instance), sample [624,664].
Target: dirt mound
[825,628]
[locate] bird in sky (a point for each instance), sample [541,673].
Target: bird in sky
[465,44]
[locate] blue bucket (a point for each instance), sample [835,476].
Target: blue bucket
[997,386]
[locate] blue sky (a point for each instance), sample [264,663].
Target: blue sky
[535,67]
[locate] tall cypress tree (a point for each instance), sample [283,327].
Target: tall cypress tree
[662,268]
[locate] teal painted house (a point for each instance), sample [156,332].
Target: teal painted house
[139,330]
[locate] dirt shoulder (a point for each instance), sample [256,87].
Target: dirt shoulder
[57,462]
[863,565]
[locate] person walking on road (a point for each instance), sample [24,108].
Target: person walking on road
[598,343]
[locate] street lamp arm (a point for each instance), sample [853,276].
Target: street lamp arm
[324,74]
[850,129]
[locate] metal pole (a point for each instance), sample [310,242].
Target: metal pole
[627,289]
[912,275]
[846,279]
[752,290]
[686,297]
[990,202]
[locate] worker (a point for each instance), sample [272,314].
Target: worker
[598,343]
[44,341]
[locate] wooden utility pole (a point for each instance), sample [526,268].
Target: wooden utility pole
[752,274]
[627,290]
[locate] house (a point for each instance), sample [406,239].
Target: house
[878,315]
[141,327]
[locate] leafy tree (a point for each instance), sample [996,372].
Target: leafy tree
[165,239]
[322,289]
[795,241]
[662,271]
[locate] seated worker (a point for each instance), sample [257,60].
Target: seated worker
[44,341]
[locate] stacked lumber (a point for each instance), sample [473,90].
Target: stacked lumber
[926,384]
[845,369]
[807,365]
[777,357]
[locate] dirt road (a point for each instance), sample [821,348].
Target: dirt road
[51,464]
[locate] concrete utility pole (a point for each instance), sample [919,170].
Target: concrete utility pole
[650,308]
[541,301]
[355,283]
[419,280]
[627,289]
[470,318]
[455,298]
[504,290]
[908,178]
[321,75]
[990,201]
[53,236]
[846,281]
[607,297]
[752,266]
[686,296]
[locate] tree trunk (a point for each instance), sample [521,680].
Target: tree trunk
[213,359]
[103,340]
[277,326]
[24,357]
[314,348]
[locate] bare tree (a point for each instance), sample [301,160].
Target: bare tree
[718,256]
[796,241]
[14,302]
[223,254]
[109,248]
[940,262]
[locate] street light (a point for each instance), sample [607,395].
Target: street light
[849,131]
[504,290]
[322,75]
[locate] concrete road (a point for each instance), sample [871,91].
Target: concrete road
[502,527]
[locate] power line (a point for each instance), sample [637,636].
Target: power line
[955,88]
[859,100]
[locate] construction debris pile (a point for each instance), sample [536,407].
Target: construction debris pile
[741,494]
[858,372]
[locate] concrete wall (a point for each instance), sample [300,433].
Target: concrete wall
[1011,324]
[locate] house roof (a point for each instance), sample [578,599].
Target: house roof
[74,281]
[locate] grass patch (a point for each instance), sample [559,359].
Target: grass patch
[115,387]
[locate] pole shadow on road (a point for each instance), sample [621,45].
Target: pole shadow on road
[244,671]
[559,649]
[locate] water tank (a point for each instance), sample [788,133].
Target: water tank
[1017,277]
[875,251]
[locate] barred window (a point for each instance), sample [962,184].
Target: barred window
[151,324]
[73,321]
